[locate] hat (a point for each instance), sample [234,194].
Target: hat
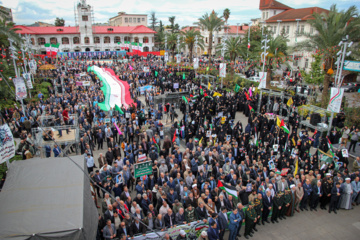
[204,234]
[194,185]
[328,174]
[182,232]
[292,185]
[116,145]
[251,203]
[347,179]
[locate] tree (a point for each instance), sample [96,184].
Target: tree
[160,39]
[331,28]
[59,22]
[189,41]
[153,21]
[172,43]
[161,27]
[316,74]
[211,23]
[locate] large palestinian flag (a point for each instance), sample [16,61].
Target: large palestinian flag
[116,92]
[229,189]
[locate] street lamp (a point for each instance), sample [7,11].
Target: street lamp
[223,49]
[247,54]
[278,31]
[166,53]
[178,47]
[340,60]
[237,29]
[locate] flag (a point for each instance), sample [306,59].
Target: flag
[201,91]
[174,137]
[250,92]
[156,73]
[207,69]
[290,102]
[237,88]
[116,92]
[183,76]
[228,188]
[131,68]
[251,109]
[249,44]
[117,128]
[140,47]
[48,48]
[54,49]
[287,140]
[209,85]
[217,94]
[278,122]
[185,100]
[191,95]
[247,97]
[157,146]
[256,139]
[283,126]
[325,157]
[296,167]
[331,149]
[200,140]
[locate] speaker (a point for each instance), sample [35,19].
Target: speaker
[315,118]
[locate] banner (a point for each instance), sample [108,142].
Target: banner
[166,56]
[7,145]
[141,169]
[143,89]
[196,63]
[335,100]
[262,83]
[222,70]
[27,78]
[178,58]
[20,88]
[146,69]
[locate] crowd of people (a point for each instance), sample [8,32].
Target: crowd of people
[194,147]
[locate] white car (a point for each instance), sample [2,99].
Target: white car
[254,79]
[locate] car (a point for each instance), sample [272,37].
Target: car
[254,79]
[351,87]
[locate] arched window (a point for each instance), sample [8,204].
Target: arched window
[86,40]
[106,39]
[127,39]
[76,40]
[117,39]
[145,40]
[96,40]
[32,41]
[53,40]
[65,40]
[136,39]
[145,49]
[41,41]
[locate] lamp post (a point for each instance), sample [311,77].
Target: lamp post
[237,29]
[341,58]
[265,41]
[223,49]
[178,47]
[196,59]
[247,53]
[166,54]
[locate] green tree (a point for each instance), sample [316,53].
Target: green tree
[161,27]
[331,28]
[189,41]
[153,21]
[316,74]
[172,43]
[226,14]
[60,22]
[212,23]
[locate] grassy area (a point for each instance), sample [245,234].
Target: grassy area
[3,167]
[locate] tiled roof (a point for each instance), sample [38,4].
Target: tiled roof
[74,30]
[185,29]
[292,14]
[232,29]
[272,4]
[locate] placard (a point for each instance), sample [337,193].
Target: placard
[27,78]
[146,69]
[178,58]
[196,63]
[7,145]
[335,100]
[262,83]
[271,165]
[176,85]
[141,169]
[141,157]
[345,152]
[222,70]
[20,88]
[276,147]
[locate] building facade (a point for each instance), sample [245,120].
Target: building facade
[8,17]
[128,20]
[86,37]
[291,23]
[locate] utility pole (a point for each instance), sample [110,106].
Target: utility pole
[166,54]
[196,59]
[345,44]
[265,41]
[223,49]
[262,28]
[237,29]
[247,54]
[178,47]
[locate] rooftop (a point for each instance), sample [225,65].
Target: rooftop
[292,14]
[272,4]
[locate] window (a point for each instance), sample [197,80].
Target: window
[311,30]
[130,20]
[32,41]
[206,40]
[65,50]
[96,40]
[76,40]
[139,20]
[274,30]
[85,18]
[134,20]
[274,12]
[143,19]
[136,39]
[145,40]
[110,29]
[117,39]
[86,40]
[106,39]
[263,15]
[53,40]
[127,39]
[306,63]
[267,15]
[287,29]
[41,41]
[302,27]
[126,20]
[65,40]
[145,49]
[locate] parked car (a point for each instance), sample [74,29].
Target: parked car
[351,87]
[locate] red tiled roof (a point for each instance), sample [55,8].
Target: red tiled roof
[272,4]
[232,29]
[185,29]
[74,30]
[292,14]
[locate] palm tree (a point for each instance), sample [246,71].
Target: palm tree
[160,39]
[189,41]
[172,23]
[172,43]
[233,48]
[226,15]
[331,28]
[211,23]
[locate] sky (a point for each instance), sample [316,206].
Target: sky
[185,11]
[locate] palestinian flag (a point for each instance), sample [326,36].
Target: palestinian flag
[251,109]
[247,97]
[331,149]
[116,92]
[229,189]
[325,157]
[283,126]
[185,100]
[174,137]
[157,146]
[201,91]
[256,139]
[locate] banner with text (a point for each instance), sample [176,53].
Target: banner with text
[7,145]
[222,70]
[141,169]
[262,83]
[335,99]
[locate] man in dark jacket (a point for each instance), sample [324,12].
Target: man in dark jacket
[169,219]
[335,196]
